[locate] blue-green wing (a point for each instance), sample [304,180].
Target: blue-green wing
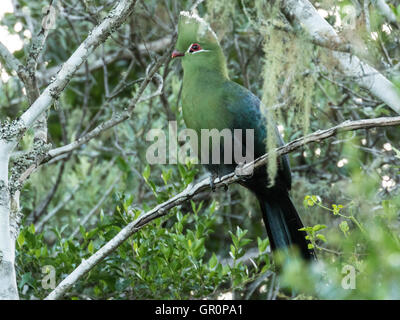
[245,107]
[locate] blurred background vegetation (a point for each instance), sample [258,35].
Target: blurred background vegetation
[346,189]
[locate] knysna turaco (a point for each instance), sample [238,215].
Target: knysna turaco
[210,100]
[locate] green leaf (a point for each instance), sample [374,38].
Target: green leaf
[91,247]
[393,148]
[245,241]
[344,227]
[31,228]
[122,165]
[166,175]
[21,239]
[262,244]
[82,231]
[318,227]
[234,239]
[310,201]
[321,237]
[232,252]
[265,268]
[336,208]
[25,279]
[213,261]
[146,172]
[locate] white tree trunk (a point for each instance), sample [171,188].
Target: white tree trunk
[10,134]
[8,284]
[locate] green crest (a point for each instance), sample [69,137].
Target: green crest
[192,29]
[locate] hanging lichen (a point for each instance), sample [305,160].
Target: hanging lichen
[302,88]
[288,81]
[273,50]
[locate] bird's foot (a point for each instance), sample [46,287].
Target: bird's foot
[224,184]
[244,173]
[213,176]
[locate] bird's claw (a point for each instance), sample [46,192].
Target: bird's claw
[214,176]
[242,172]
[212,184]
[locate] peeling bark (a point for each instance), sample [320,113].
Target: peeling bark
[8,284]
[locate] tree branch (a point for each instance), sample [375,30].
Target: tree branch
[117,118]
[187,194]
[125,54]
[38,211]
[12,64]
[322,32]
[95,38]
[385,10]
[39,41]
[97,206]
[39,225]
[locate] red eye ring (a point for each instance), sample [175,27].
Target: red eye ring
[194,47]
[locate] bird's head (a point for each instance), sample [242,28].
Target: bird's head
[198,45]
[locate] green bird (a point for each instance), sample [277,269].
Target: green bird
[210,100]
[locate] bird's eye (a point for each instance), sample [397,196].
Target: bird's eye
[194,47]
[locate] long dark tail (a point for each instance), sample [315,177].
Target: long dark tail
[283,223]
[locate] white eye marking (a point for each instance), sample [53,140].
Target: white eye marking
[202,50]
[193,52]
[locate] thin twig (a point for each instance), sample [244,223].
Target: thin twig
[97,206]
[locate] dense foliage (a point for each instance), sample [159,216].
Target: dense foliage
[346,189]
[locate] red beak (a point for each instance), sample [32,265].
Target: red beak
[176,53]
